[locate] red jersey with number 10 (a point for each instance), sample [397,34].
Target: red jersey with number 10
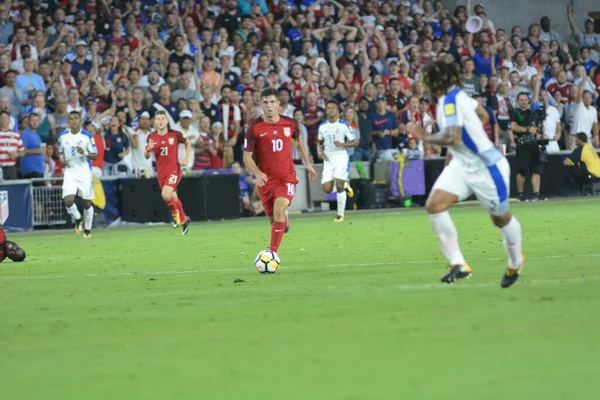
[272,144]
[166,151]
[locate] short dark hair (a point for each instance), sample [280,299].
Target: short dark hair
[331,101]
[226,87]
[582,136]
[75,112]
[269,92]
[285,89]
[522,94]
[4,112]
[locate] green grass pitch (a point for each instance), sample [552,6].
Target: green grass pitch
[355,312]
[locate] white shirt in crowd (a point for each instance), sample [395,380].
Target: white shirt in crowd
[583,119]
[192,134]
[139,163]
[528,70]
[550,123]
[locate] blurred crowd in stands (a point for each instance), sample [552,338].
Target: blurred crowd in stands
[205,62]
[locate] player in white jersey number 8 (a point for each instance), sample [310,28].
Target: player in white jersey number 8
[477,167]
[335,137]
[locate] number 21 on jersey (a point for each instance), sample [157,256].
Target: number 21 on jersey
[164,151]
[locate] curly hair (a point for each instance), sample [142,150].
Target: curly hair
[440,75]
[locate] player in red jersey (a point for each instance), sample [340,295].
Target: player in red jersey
[165,143]
[10,249]
[269,138]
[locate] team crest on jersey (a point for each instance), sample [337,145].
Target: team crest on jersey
[3,206]
[171,141]
[449,109]
[287,132]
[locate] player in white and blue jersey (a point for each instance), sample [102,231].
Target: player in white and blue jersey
[335,137]
[477,167]
[77,149]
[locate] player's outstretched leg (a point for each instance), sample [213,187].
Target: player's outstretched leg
[278,225]
[341,197]
[74,212]
[437,206]
[511,230]
[88,219]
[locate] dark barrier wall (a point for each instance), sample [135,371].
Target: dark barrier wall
[553,178]
[206,197]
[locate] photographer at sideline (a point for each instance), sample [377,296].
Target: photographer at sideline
[582,163]
[526,123]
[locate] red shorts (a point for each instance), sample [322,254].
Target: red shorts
[274,188]
[171,180]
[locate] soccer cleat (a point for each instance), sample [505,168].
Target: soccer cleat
[521,198]
[511,275]
[349,190]
[174,223]
[87,234]
[78,226]
[457,272]
[339,218]
[287,224]
[184,227]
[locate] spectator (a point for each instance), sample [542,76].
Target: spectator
[547,35]
[231,122]
[28,80]
[585,117]
[299,117]
[582,164]
[218,159]
[6,26]
[207,106]
[32,164]
[365,123]
[552,127]
[190,132]
[74,103]
[313,117]
[165,103]
[11,147]
[60,117]
[141,165]
[5,106]
[204,149]
[184,91]
[15,95]
[117,148]
[385,127]
[411,152]
[95,128]
[81,63]
[285,108]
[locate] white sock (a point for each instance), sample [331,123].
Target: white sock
[74,212]
[341,200]
[448,237]
[286,213]
[88,218]
[513,242]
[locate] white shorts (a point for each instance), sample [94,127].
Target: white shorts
[490,185]
[336,169]
[83,188]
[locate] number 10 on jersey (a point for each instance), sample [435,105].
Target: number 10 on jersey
[277,145]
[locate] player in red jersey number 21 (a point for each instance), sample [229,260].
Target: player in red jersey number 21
[269,140]
[165,143]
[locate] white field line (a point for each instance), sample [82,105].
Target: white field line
[184,272]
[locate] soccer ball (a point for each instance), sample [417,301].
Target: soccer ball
[267,262]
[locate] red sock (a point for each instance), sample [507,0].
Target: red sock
[180,210]
[277,231]
[174,210]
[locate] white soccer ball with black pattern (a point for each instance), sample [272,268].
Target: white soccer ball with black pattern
[267,262]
